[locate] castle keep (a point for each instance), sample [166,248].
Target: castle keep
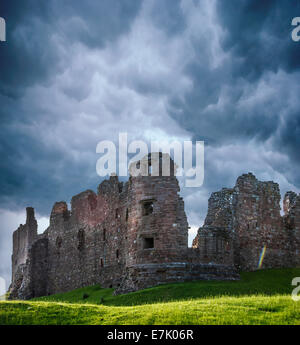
[134,235]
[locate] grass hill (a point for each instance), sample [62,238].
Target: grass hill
[261,297]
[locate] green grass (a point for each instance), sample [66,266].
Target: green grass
[261,297]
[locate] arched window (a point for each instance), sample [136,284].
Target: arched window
[104,234]
[117,253]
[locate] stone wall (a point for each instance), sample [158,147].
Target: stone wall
[291,222]
[249,215]
[134,235]
[108,236]
[23,238]
[215,240]
[141,276]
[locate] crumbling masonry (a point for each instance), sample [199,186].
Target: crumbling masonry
[134,235]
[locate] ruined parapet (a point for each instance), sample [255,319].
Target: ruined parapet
[257,204]
[260,237]
[215,239]
[291,221]
[249,216]
[23,238]
[31,222]
[220,209]
[59,213]
[289,201]
[84,208]
[291,205]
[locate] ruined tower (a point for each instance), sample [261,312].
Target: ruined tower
[157,224]
[247,219]
[157,228]
[23,238]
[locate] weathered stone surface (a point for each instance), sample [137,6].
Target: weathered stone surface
[134,235]
[141,276]
[23,238]
[247,218]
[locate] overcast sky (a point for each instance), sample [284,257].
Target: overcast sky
[73,73]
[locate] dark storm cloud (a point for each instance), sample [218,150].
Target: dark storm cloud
[244,97]
[32,170]
[168,16]
[103,20]
[25,53]
[30,56]
[34,26]
[32,173]
[73,73]
[288,141]
[259,32]
[228,75]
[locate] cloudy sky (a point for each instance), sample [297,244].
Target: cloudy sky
[73,73]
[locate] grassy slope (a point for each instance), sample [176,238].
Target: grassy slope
[262,297]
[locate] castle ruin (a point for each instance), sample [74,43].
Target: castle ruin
[134,235]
